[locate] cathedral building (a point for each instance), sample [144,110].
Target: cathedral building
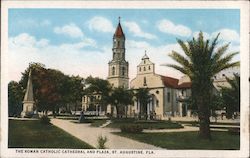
[163,90]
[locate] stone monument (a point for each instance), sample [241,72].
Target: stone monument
[28,101]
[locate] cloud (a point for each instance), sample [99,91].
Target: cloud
[71,30]
[206,36]
[227,35]
[100,24]
[70,58]
[134,28]
[25,40]
[169,27]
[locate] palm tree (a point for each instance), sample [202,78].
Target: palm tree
[202,60]
[142,97]
[231,95]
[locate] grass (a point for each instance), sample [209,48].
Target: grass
[33,134]
[188,140]
[146,124]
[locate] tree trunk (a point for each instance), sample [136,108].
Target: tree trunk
[204,118]
[117,111]
[126,108]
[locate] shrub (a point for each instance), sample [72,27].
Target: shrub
[131,128]
[45,120]
[101,142]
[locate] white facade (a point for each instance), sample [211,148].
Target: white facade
[163,96]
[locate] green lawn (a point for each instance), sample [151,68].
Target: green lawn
[188,140]
[146,124]
[33,134]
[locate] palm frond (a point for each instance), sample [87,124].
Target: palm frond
[220,52]
[180,59]
[181,69]
[219,67]
[213,45]
[184,47]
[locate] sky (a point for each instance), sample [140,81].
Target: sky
[79,41]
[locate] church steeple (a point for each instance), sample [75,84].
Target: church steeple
[118,66]
[119,32]
[146,66]
[119,43]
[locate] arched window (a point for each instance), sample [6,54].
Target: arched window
[144,68]
[148,67]
[118,45]
[123,71]
[140,69]
[113,70]
[145,82]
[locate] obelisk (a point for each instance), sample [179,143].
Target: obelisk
[28,100]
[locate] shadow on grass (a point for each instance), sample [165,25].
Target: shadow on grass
[33,134]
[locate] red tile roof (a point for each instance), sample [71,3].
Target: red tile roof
[173,83]
[185,85]
[170,82]
[119,32]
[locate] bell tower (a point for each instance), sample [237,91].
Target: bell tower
[118,66]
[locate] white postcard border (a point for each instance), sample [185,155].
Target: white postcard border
[244,57]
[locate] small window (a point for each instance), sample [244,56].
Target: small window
[113,70]
[148,67]
[157,92]
[140,69]
[157,102]
[144,61]
[118,44]
[168,97]
[144,68]
[83,99]
[182,92]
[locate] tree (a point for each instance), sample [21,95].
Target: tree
[15,98]
[202,60]
[48,87]
[142,97]
[98,86]
[74,91]
[120,98]
[231,96]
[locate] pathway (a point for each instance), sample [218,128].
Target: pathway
[90,134]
